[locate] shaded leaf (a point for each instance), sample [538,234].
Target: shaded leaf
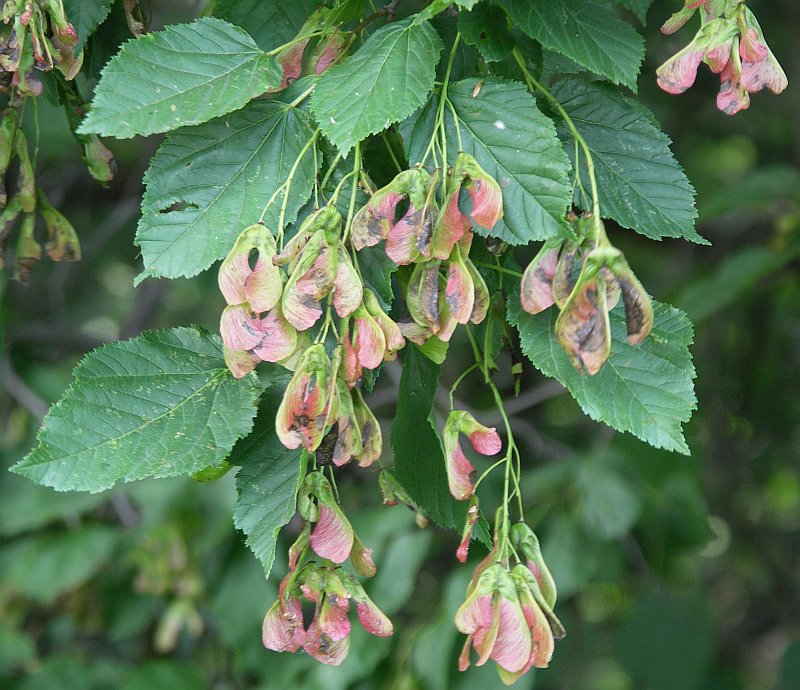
[586,31]
[268,480]
[418,455]
[271,24]
[86,16]
[44,565]
[610,504]
[486,28]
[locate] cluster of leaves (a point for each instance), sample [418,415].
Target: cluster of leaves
[531,90]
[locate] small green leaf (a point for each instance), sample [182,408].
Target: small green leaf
[418,454]
[517,145]
[646,389]
[184,75]
[268,480]
[207,183]
[586,31]
[160,405]
[641,185]
[86,16]
[271,24]
[388,78]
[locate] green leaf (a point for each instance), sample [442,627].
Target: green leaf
[486,28]
[207,183]
[268,480]
[513,142]
[183,75]
[86,16]
[641,185]
[388,78]
[271,23]
[418,454]
[586,31]
[45,565]
[160,405]
[646,390]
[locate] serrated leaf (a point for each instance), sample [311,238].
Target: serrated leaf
[86,16]
[221,174]
[646,390]
[516,144]
[641,185]
[271,24]
[418,454]
[586,31]
[388,78]
[183,75]
[160,405]
[267,482]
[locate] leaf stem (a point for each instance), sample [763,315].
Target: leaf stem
[459,380]
[438,126]
[500,269]
[535,85]
[287,185]
[351,209]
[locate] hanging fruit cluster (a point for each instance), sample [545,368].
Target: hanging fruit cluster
[585,278]
[36,36]
[731,42]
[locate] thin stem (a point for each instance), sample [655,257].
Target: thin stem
[333,484]
[391,153]
[500,269]
[534,85]
[316,179]
[438,127]
[295,40]
[330,170]
[288,184]
[339,186]
[297,101]
[37,132]
[457,123]
[511,473]
[351,209]
[459,380]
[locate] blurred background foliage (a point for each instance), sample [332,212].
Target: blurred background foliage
[674,573]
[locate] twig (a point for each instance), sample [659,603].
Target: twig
[19,390]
